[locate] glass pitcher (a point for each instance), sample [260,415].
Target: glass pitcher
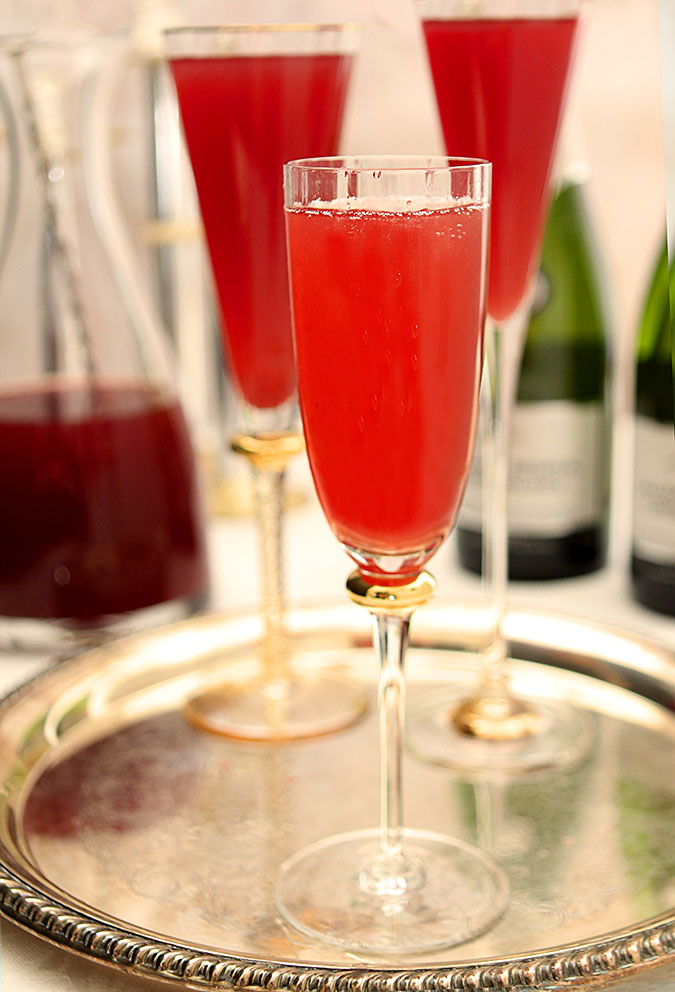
[101,527]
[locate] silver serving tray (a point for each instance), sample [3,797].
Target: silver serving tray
[130,837]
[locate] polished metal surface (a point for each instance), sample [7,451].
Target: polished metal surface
[132,838]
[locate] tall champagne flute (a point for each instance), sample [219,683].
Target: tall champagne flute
[250,98]
[500,70]
[387,260]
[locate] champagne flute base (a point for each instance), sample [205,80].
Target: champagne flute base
[286,710]
[444,892]
[542,734]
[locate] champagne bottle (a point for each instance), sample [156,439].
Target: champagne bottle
[559,470]
[653,553]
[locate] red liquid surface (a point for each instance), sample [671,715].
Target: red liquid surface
[500,88]
[243,118]
[98,503]
[388,318]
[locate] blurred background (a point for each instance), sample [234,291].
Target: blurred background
[615,104]
[615,107]
[614,121]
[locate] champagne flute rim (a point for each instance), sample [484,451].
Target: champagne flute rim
[387,163]
[57,40]
[458,10]
[271,27]
[266,38]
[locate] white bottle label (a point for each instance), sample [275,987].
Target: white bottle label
[654,491]
[558,473]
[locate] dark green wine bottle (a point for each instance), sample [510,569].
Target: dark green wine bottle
[653,553]
[559,474]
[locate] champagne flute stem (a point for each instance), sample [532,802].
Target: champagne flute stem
[268,455]
[505,347]
[391,640]
[391,874]
[268,490]
[493,712]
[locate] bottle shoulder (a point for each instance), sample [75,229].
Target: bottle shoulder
[569,301]
[654,370]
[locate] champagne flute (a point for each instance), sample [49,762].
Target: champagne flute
[250,98]
[500,70]
[387,260]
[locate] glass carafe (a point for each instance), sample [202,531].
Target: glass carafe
[101,525]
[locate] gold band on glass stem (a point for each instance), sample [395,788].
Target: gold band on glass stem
[269,451]
[391,599]
[497,718]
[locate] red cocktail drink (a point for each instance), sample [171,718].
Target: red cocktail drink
[388,318]
[500,88]
[243,117]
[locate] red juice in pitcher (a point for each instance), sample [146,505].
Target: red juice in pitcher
[500,88]
[99,509]
[245,116]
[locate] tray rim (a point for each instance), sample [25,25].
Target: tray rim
[615,954]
